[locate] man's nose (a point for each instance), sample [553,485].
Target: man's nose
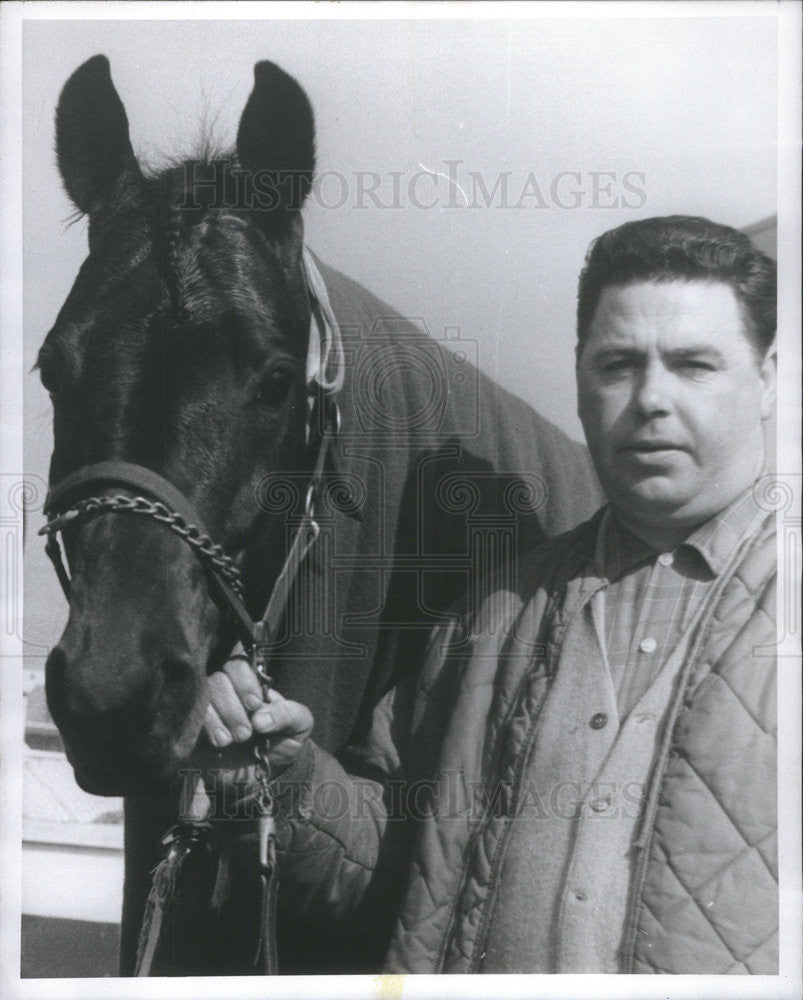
[652,393]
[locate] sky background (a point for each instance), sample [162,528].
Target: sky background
[674,114]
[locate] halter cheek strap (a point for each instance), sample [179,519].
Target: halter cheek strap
[325,358]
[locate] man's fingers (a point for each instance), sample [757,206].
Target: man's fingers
[216,732]
[245,682]
[231,721]
[278,725]
[229,711]
[288,718]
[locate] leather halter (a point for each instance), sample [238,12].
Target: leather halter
[68,505]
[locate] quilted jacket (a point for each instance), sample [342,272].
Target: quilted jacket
[412,847]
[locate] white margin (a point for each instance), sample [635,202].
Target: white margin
[790,982]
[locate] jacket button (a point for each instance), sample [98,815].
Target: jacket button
[599,721]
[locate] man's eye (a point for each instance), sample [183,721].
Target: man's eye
[692,365]
[620,366]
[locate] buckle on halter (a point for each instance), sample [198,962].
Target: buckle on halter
[334,410]
[260,656]
[267,843]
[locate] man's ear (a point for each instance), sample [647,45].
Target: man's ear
[768,373]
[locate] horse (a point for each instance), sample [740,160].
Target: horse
[205,371]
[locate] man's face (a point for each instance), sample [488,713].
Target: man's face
[672,397]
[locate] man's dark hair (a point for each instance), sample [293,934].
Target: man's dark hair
[682,248]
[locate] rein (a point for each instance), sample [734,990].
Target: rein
[157,498]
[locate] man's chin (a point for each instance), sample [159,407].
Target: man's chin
[654,495]
[658,511]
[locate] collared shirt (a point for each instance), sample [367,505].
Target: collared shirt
[564,883]
[653,596]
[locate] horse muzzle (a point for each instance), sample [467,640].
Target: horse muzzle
[127,739]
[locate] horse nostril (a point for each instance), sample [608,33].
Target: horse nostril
[181,679]
[92,691]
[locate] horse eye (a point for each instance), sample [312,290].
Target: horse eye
[274,386]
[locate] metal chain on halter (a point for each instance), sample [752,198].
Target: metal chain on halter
[202,543]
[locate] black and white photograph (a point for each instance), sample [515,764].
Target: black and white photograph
[401,500]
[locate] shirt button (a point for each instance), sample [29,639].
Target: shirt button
[666,558]
[599,721]
[601,804]
[581,896]
[648,645]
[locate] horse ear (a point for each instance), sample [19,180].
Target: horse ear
[92,142]
[277,134]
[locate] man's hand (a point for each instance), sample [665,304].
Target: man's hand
[237,714]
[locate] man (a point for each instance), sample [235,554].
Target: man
[583,776]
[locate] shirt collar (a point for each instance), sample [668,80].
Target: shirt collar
[714,540]
[621,549]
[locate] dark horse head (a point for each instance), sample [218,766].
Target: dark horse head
[181,348]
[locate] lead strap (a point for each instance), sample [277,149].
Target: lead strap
[181,841]
[266,951]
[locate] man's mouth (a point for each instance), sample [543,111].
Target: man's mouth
[648,447]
